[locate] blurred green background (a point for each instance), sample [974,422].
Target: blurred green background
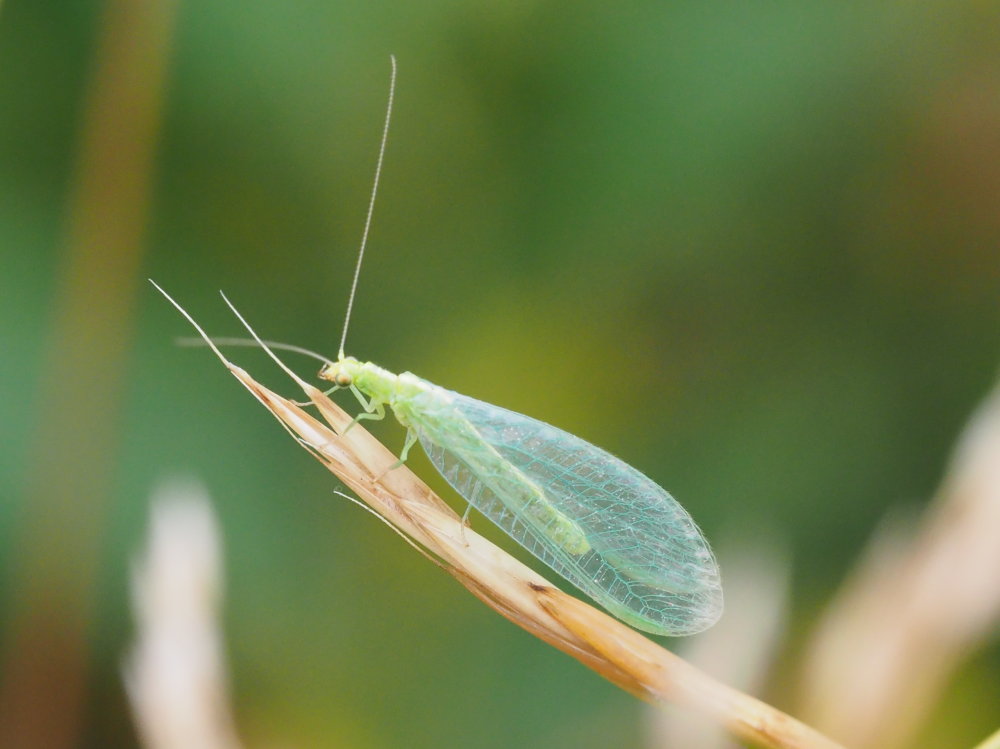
[750,248]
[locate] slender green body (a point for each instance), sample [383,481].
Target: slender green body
[603,525]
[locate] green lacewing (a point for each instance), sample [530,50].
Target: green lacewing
[604,526]
[608,529]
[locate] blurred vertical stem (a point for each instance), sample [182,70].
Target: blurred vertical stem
[69,473]
[990,742]
[920,602]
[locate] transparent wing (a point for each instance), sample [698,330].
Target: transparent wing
[647,561]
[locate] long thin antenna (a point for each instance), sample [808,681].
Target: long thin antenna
[276,345]
[371,205]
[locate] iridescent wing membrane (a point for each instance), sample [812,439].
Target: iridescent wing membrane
[645,559]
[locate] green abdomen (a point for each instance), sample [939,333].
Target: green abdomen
[438,421]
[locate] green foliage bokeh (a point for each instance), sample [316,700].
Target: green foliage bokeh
[750,248]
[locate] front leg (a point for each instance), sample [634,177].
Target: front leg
[374,411]
[368,405]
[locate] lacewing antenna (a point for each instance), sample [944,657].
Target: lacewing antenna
[371,205]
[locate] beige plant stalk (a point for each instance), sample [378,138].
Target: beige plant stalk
[612,649]
[924,597]
[175,673]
